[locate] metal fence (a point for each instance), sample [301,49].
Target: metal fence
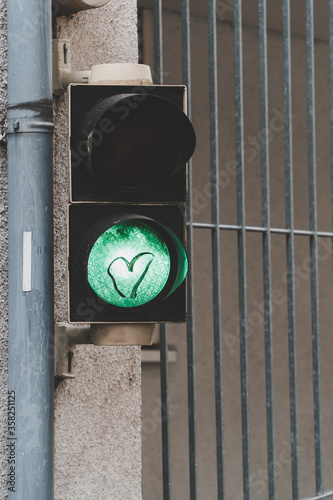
[215,229]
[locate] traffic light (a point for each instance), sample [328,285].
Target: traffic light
[129,149]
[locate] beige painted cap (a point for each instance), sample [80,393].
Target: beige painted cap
[122,74]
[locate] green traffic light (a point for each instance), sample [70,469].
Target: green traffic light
[129,264]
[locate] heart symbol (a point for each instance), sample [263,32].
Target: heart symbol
[130,266]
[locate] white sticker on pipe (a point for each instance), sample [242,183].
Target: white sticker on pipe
[27,237]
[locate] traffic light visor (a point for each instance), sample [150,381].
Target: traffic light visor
[136,141]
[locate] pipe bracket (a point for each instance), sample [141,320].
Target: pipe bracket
[30,117]
[29,126]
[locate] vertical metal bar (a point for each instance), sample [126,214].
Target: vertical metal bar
[330,22]
[165,412]
[215,217]
[158,63]
[266,245]
[288,147]
[241,244]
[158,42]
[313,240]
[186,67]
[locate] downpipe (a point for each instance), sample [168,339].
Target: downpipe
[30,226]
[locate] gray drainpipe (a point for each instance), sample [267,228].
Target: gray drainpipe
[30,215]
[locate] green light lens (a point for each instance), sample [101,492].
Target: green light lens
[129,264]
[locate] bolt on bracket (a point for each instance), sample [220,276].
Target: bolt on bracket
[65,339]
[62,74]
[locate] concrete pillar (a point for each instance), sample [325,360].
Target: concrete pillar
[97,415]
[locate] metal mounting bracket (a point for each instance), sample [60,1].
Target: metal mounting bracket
[62,74]
[67,336]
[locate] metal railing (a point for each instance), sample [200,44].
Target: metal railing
[215,227]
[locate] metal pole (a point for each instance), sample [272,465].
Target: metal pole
[30,214]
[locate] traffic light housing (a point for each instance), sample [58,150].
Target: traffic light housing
[129,149]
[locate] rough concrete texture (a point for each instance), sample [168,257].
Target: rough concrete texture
[206,447]
[97,425]
[98,414]
[3,256]
[97,422]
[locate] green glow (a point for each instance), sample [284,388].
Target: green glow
[128,265]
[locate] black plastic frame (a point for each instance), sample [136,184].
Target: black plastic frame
[86,223]
[83,190]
